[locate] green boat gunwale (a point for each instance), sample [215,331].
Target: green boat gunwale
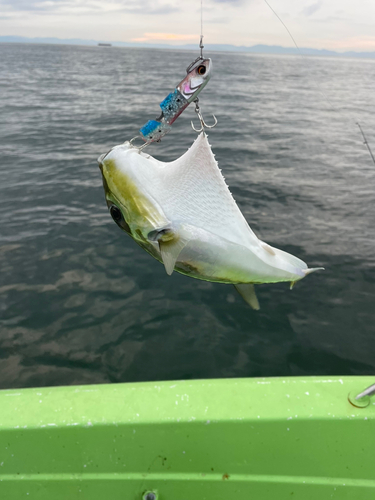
[214,439]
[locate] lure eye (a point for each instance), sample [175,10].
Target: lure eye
[201,70]
[116,214]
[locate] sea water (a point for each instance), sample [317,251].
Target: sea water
[80,302]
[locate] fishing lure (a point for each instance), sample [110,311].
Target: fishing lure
[197,76]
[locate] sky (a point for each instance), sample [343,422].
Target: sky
[339,25]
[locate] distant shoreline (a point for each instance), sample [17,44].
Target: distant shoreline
[254,49]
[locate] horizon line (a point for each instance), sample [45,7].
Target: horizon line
[257,48]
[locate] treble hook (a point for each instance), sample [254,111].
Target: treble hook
[132,140]
[203,123]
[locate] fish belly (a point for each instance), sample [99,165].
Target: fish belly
[211,258]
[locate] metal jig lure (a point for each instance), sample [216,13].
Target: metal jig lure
[197,76]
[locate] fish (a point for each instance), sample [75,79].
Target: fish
[197,76]
[182,213]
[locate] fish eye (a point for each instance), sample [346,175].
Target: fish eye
[117,216]
[115,213]
[201,70]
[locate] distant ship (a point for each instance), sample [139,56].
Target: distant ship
[104,45]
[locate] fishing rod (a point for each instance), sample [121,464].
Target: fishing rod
[366,143]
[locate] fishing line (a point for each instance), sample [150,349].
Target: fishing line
[285,26]
[301,54]
[201,46]
[201,19]
[325,96]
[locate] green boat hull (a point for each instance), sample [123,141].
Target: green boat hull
[261,439]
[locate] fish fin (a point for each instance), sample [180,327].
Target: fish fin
[292,283]
[170,245]
[312,270]
[170,250]
[247,292]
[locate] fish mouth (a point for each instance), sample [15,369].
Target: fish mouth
[101,159]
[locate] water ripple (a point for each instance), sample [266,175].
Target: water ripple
[81,303]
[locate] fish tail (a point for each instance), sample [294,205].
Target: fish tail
[312,270]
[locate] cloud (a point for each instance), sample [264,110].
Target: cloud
[153,37]
[311,9]
[153,7]
[233,2]
[218,20]
[164,9]
[34,5]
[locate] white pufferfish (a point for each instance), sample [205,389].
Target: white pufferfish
[183,214]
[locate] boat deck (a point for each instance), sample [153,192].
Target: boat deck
[261,439]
